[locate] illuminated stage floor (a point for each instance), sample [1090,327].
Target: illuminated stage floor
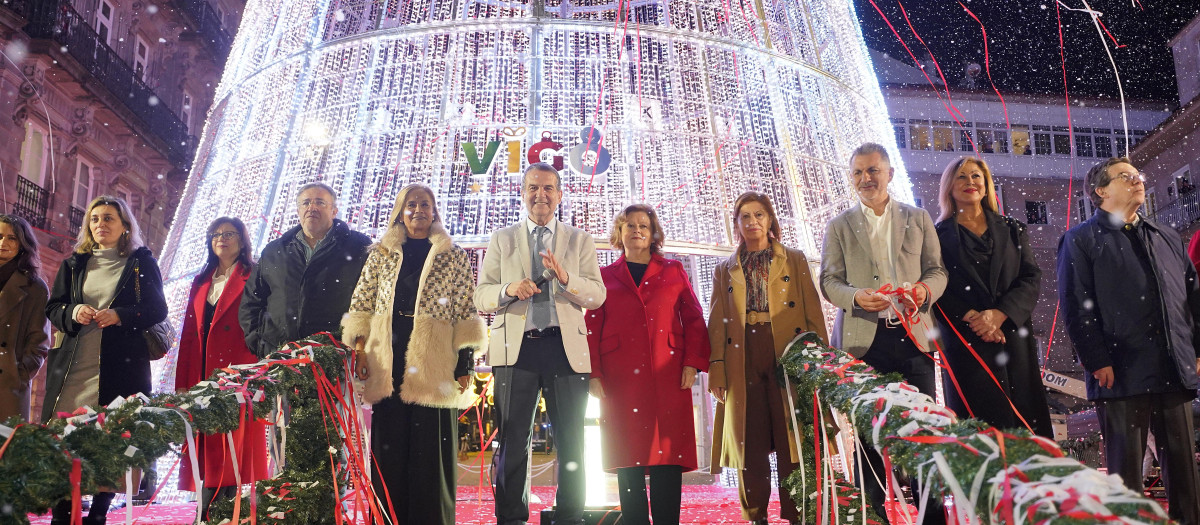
[703,501]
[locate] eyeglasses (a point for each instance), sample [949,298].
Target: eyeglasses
[1131,177]
[227,236]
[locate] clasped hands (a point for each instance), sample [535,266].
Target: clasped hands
[103,318]
[526,288]
[987,325]
[363,372]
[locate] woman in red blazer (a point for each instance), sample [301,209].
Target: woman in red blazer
[647,342]
[212,339]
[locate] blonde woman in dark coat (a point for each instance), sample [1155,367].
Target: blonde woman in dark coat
[24,329]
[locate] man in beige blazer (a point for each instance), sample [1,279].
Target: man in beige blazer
[539,275]
[877,243]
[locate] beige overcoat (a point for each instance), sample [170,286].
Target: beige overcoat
[795,307]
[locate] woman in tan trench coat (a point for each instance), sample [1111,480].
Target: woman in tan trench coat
[24,329]
[763,296]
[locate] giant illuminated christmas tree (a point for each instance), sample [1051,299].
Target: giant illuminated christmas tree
[682,104]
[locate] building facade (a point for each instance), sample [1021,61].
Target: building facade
[1170,155]
[103,97]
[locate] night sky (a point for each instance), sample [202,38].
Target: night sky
[1023,42]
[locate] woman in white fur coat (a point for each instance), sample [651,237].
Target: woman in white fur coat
[414,326]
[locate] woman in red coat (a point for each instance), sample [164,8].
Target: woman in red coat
[647,342]
[212,339]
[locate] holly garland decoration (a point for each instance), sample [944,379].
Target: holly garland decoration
[132,433]
[1007,476]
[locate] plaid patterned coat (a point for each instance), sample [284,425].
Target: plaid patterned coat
[445,321]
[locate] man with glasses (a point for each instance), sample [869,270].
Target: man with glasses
[304,279]
[1132,305]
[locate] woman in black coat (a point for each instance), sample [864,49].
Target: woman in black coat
[989,300]
[104,296]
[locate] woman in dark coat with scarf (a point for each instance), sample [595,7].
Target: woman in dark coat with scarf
[24,331]
[105,295]
[989,300]
[211,340]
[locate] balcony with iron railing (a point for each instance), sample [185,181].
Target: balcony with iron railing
[1181,213]
[75,221]
[32,202]
[57,20]
[208,26]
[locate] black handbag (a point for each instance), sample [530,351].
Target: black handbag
[159,337]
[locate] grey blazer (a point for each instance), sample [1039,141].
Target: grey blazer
[508,259]
[847,266]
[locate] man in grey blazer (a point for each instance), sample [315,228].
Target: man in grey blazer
[539,275]
[881,242]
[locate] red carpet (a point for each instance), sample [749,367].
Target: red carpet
[701,504]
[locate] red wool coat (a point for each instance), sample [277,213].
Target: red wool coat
[226,346]
[640,339]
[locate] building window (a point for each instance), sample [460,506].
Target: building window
[1035,212]
[1104,147]
[900,143]
[964,140]
[943,136]
[1020,140]
[141,59]
[918,202]
[1062,144]
[1083,207]
[999,196]
[84,174]
[104,19]
[1041,143]
[35,154]
[1122,151]
[919,133]
[1083,145]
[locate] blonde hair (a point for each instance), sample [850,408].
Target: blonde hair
[946,193]
[130,240]
[656,231]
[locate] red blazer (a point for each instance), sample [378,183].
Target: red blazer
[640,339]
[226,346]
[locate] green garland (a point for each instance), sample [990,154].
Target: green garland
[132,434]
[919,436]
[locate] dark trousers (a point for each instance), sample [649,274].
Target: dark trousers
[1123,424]
[666,486]
[766,430]
[893,351]
[414,448]
[97,515]
[542,368]
[210,495]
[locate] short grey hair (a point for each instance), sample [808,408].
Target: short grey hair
[868,148]
[328,189]
[541,166]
